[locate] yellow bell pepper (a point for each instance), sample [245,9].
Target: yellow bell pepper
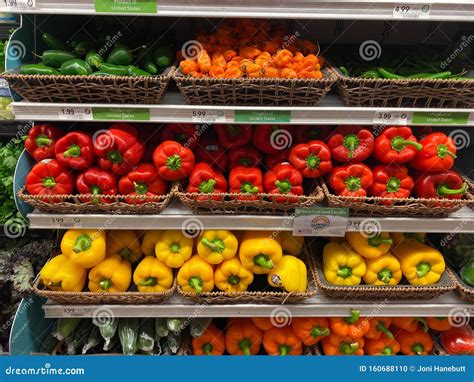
[341,265]
[260,252]
[174,248]
[420,263]
[383,270]
[196,276]
[231,276]
[150,238]
[290,275]
[398,237]
[84,247]
[151,275]
[113,275]
[291,245]
[125,244]
[61,274]
[370,247]
[215,246]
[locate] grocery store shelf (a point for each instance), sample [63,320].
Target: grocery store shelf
[173,109]
[461,10]
[178,217]
[318,306]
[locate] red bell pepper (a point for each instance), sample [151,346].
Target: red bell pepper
[396,145]
[438,153]
[173,161]
[210,151]
[96,181]
[305,134]
[313,159]
[351,180]
[391,181]
[271,160]
[247,156]
[151,142]
[283,179]
[204,179]
[270,139]
[351,144]
[75,150]
[445,184]
[246,180]
[184,133]
[119,149]
[142,180]
[41,141]
[231,136]
[458,340]
[49,177]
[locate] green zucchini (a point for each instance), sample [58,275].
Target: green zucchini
[48,344]
[161,327]
[128,333]
[175,324]
[93,339]
[199,325]
[108,330]
[174,340]
[146,336]
[77,339]
[64,327]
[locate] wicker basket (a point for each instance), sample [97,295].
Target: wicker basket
[376,206]
[464,291]
[72,204]
[95,298]
[258,297]
[263,205]
[372,92]
[90,89]
[255,91]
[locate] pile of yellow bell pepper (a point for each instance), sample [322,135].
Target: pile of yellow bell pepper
[110,262]
[382,260]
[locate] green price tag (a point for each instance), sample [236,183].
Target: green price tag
[126,6]
[320,221]
[263,116]
[440,118]
[120,114]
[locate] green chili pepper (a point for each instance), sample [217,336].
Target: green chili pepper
[121,55]
[99,73]
[80,37]
[137,72]
[55,58]
[114,70]
[370,74]
[464,78]
[38,69]
[93,58]
[53,42]
[416,70]
[163,57]
[83,47]
[76,67]
[431,76]
[384,73]
[146,61]
[344,71]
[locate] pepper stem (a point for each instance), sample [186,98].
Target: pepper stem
[149,281]
[444,190]
[284,349]
[382,328]
[95,190]
[126,253]
[442,151]
[344,272]
[175,247]
[418,348]
[355,315]
[233,280]
[312,161]
[387,350]
[115,157]
[245,345]
[284,186]
[195,282]
[385,275]
[48,182]
[351,142]
[72,151]
[393,184]
[423,323]
[263,261]
[82,243]
[348,348]
[43,141]
[422,269]
[207,348]
[233,130]
[378,240]
[216,245]
[353,183]
[173,162]
[207,186]
[105,284]
[398,144]
[140,188]
[248,188]
[245,162]
[319,332]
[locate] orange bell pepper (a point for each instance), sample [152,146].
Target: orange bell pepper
[242,337]
[270,72]
[211,342]
[233,73]
[381,346]
[440,324]
[249,52]
[414,343]
[282,341]
[188,66]
[342,345]
[310,330]
[218,60]
[283,58]
[379,326]
[229,54]
[217,71]
[354,326]
[288,73]
[263,323]
[204,61]
[410,324]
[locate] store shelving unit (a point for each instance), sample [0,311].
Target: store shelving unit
[440,10]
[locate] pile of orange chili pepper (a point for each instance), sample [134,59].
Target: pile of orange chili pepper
[235,50]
